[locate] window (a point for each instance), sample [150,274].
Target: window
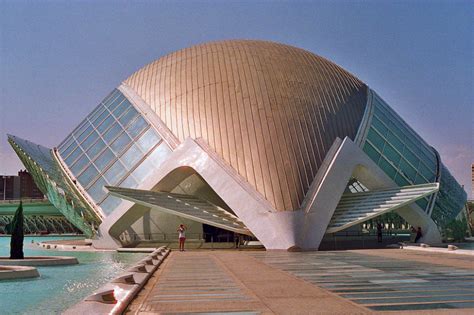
[110,204]
[112,133]
[129,182]
[88,175]
[128,116]
[89,140]
[120,143]
[375,138]
[84,134]
[388,168]
[73,156]
[97,190]
[391,154]
[131,157]
[115,173]
[148,140]
[96,148]
[106,124]
[136,127]
[104,159]
[79,164]
[371,152]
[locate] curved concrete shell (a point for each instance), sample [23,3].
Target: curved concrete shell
[271,111]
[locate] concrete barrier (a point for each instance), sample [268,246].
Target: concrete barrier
[115,296]
[40,261]
[17,272]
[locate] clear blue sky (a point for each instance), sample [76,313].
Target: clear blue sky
[60,58]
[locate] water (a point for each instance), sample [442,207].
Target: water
[59,287]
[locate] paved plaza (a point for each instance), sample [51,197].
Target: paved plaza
[280,282]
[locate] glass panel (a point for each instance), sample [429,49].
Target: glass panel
[69,149]
[83,135]
[97,111]
[120,143]
[83,126]
[110,204]
[122,108]
[104,159]
[66,143]
[128,116]
[112,133]
[388,168]
[106,124]
[115,102]
[423,203]
[410,157]
[391,154]
[129,182]
[379,126]
[395,142]
[375,138]
[88,175]
[100,118]
[89,140]
[74,155]
[409,171]
[371,152]
[95,148]
[426,172]
[79,165]
[112,95]
[136,127]
[401,181]
[148,140]
[115,173]
[420,179]
[159,155]
[131,157]
[97,190]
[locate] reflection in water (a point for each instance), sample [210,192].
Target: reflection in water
[62,286]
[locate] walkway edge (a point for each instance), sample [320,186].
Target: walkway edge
[115,296]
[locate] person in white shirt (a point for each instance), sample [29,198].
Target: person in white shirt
[182,236]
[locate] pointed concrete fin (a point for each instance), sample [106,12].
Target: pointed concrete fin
[186,206]
[354,208]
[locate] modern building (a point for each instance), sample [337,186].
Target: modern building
[15,187]
[253,137]
[472,180]
[39,214]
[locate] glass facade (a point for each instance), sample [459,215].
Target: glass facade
[49,177]
[113,146]
[407,159]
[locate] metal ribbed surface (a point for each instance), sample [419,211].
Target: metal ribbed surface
[269,110]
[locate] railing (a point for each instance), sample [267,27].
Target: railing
[30,200]
[363,239]
[205,239]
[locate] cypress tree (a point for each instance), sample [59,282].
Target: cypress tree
[16,242]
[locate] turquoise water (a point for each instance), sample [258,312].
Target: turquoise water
[59,287]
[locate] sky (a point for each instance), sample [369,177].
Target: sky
[59,59]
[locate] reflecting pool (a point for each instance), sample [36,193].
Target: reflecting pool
[59,287]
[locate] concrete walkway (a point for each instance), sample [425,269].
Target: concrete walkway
[388,281]
[231,281]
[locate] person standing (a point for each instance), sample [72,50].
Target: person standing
[379,232]
[182,236]
[419,234]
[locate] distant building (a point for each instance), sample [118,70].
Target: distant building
[472,181]
[21,186]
